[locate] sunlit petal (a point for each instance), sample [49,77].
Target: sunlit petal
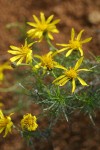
[73,85]
[72,34]
[50,36]
[49,19]
[81,51]
[83,70]
[59,78]
[32,24]
[82,81]
[15,58]
[79,35]
[65,45]
[61,50]
[60,67]
[42,17]
[36,19]
[1,114]
[63,81]
[20,61]
[86,40]
[14,48]
[78,63]
[69,52]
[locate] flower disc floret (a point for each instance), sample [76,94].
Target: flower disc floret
[71,73]
[75,44]
[29,122]
[47,62]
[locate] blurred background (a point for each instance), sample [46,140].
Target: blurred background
[79,133]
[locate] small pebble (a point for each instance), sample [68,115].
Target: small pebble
[94,17]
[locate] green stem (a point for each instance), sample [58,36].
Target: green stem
[54,74]
[12,88]
[52,47]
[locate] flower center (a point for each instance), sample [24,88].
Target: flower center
[47,62]
[43,27]
[75,44]
[71,73]
[3,122]
[25,50]
[29,122]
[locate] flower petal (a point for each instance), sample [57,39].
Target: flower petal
[32,24]
[72,34]
[65,45]
[84,69]
[61,50]
[73,85]
[63,81]
[15,58]
[79,35]
[60,77]
[15,48]
[81,51]
[60,67]
[69,52]
[13,52]
[36,19]
[50,36]
[42,17]
[55,22]
[1,76]
[49,19]
[54,30]
[82,81]
[78,63]
[1,114]
[20,61]
[86,40]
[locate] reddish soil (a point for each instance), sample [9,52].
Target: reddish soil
[79,133]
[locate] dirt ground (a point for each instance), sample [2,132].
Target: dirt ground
[79,134]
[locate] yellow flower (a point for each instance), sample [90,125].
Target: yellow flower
[71,74]
[43,27]
[29,122]
[74,43]
[47,62]
[5,123]
[21,53]
[2,68]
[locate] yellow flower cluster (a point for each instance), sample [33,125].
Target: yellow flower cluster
[42,29]
[27,123]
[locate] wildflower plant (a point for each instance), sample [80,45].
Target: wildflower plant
[59,83]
